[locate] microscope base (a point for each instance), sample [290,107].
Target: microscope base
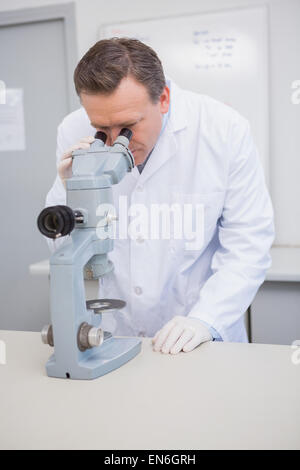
[113,353]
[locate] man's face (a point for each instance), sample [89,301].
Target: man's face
[128,106]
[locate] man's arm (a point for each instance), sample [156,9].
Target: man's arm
[246,233]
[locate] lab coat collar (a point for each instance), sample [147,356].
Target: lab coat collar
[178,114]
[166,145]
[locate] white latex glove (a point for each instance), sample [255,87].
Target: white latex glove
[65,164]
[181,333]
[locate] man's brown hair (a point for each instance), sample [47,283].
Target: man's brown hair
[105,64]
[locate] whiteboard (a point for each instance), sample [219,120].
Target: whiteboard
[223,54]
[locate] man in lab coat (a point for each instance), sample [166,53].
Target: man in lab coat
[192,154]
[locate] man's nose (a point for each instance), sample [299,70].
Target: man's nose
[112,135]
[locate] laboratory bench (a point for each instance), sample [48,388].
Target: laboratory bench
[219,396]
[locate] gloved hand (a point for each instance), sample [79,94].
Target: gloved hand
[65,164]
[181,333]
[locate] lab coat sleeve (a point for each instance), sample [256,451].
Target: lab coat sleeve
[214,334]
[57,193]
[245,232]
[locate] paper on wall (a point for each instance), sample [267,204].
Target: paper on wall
[12,129]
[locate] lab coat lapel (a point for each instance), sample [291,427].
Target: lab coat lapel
[166,145]
[164,149]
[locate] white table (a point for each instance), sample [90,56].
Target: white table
[285,265]
[221,395]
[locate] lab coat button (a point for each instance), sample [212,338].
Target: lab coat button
[138,290]
[140,239]
[139,188]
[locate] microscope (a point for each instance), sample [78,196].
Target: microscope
[82,350]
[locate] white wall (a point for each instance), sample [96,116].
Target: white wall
[284,69]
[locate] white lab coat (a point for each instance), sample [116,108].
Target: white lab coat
[205,155]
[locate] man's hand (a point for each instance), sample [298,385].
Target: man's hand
[180,333]
[65,165]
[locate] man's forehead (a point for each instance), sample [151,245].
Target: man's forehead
[115,109]
[113,116]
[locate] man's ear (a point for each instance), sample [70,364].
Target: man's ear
[165,100]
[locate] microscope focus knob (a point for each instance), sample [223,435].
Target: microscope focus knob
[95,337]
[89,336]
[111,218]
[47,335]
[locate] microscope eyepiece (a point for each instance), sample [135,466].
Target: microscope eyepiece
[101,135]
[56,221]
[126,133]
